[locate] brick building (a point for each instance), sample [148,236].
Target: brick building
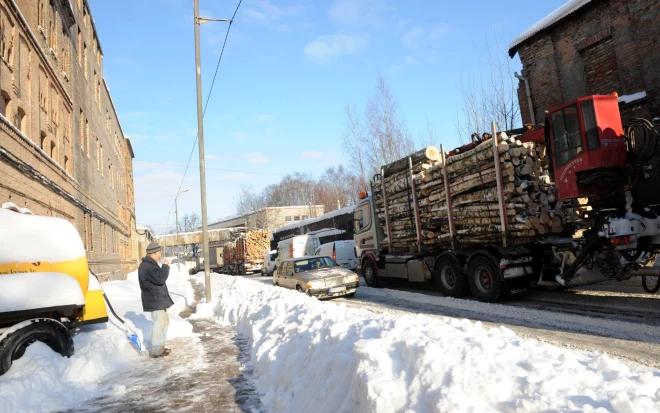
[62,149]
[592,47]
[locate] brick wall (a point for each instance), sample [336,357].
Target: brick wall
[60,120]
[605,47]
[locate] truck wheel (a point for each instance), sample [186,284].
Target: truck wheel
[484,279]
[369,274]
[450,279]
[50,332]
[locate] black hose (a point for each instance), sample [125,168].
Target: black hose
[105,297]
[642,139]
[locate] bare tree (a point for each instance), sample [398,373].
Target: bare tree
[191,223]
[353,144]
[490,95]
[380,137]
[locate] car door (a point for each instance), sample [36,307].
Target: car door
[280,277]
[289,280]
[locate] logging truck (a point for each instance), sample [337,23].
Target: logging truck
[570,203]
[246,254]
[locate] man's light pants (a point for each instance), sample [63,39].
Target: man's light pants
[159,332]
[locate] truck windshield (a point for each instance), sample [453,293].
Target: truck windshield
[313,264]
[566,133]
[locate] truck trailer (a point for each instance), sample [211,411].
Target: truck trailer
[567,204]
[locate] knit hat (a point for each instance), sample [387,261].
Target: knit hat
[153,247]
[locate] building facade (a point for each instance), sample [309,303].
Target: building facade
[270,218]
[592,47]
[62,150]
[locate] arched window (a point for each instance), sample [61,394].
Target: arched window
[53,151]
[4,104]
[20,121]
[42,141]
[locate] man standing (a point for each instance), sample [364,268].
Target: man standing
[155,297]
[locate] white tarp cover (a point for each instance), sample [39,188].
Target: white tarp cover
[32,290]
[31,238]
[552,18]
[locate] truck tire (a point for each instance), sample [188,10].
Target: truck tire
[450,279]
[484,279]
[370,274]
[50,332]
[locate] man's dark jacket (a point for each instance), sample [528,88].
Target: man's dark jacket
[152,283]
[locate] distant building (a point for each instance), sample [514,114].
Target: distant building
[270,218]
[591,47]
[62,150]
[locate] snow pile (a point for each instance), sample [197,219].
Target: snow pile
[326,357]
[19,292]
[625,99]
[31,238]
[43,381]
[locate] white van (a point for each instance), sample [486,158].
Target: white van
[268,267]
[341,251]
[299,246]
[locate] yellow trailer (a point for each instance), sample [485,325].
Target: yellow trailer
[46,288]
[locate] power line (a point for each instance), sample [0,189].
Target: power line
[208,97]
[214,169]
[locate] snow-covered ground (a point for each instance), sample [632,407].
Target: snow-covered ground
[43,381]
[327,357]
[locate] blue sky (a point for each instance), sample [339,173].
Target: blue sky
[289,69]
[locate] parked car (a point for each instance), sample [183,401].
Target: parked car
[317,276]
[342,252]
[268,267]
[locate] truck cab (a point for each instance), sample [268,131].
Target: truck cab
[374,265]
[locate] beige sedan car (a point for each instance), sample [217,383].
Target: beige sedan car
[318,276]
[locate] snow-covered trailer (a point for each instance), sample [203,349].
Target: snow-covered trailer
[46,288]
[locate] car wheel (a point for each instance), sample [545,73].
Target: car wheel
[369,274]
[484,279]
[50,332]
[299,289]
[449,278]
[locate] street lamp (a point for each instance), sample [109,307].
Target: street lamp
[176,214]
[200,139]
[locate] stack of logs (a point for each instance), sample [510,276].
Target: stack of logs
[257,244]
[529,196]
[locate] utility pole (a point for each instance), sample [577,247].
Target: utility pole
[200,137]
[176,213]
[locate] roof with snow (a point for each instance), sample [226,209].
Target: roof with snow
[547,22]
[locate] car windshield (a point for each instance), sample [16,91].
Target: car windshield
[313,264]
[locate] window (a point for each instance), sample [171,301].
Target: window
[42,141]
[20,121]
[101,158]
[296,218]
[53,151]
[87,136]
[86,233]
[85,59]
[361,218]
[80,45]
[41,14]
[66,164]
[304,217]
[4,103]
[287,219]
[566,132]
[590,126]
[98,155]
